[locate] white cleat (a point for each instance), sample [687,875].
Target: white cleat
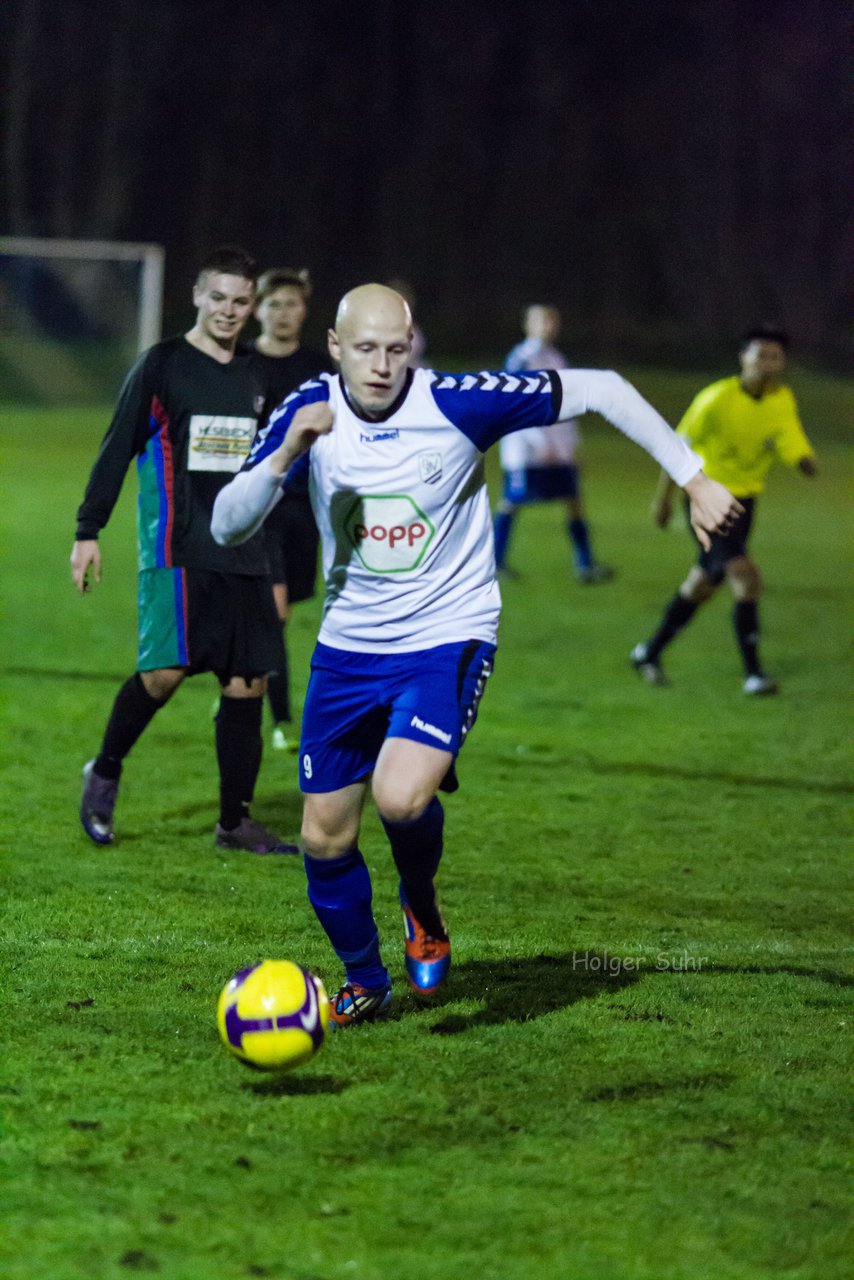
[649,671]
[759,685]
[281,741]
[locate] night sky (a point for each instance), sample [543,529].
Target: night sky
[666,171]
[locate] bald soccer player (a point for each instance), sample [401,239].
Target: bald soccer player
[396,470]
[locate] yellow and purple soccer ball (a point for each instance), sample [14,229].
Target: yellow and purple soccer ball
[274,1015]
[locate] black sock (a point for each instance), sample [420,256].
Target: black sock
[278,685]
[745,617]
[678,614]
[132,710]
[417,850]
[238,753]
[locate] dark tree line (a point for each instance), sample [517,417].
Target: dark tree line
[665,170]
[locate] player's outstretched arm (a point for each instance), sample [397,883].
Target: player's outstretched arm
[244,504]
[713,508]
[85,555]
[604,391]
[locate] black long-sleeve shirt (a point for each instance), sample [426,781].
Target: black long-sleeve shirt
[189,422]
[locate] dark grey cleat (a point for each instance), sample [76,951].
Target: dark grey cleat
[97,804]
[594,573]
[252,837]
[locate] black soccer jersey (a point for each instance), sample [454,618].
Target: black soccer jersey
[189,421]
[283,374]
[290,530]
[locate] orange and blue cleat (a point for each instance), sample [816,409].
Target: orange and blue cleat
[427,958]
[354,1003]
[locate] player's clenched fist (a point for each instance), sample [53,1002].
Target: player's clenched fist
[309,422]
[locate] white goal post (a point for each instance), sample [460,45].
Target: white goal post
[74,315]
[150,257]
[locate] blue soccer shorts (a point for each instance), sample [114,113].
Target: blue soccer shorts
[541,484]
[355,701]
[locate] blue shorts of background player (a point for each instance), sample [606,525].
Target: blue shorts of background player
[540,484]
[357,700]
[527,485]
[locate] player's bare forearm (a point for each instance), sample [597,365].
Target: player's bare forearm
[713,508]
[662,504]
[85,555]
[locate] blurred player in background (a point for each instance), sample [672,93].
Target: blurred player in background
[408,636]
[418,353]
[291,531]
[187,414]
[541,463]
[739,426]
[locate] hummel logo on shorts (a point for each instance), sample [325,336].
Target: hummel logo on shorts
[418,723]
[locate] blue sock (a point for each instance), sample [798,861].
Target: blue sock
[579,536]
[501,526]
[339,889]
[417,850]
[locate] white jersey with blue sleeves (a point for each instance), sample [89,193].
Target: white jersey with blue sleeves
[403,511]
[540,446]
[401,502]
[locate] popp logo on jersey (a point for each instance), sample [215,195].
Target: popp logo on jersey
[389,532]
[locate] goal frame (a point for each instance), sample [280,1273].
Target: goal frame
[150,255]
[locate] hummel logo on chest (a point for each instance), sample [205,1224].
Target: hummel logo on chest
[375,437]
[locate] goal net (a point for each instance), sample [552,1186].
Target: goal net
[74,314]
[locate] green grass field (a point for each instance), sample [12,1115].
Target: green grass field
[638,1069]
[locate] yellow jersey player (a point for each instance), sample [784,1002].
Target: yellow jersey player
[739,427]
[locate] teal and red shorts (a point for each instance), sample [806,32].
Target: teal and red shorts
[220,622]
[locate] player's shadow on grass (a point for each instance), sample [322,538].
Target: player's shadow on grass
[830,976]
[519,989]
[650,769]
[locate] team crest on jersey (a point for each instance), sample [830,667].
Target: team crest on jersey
[258,404]
[430,466]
